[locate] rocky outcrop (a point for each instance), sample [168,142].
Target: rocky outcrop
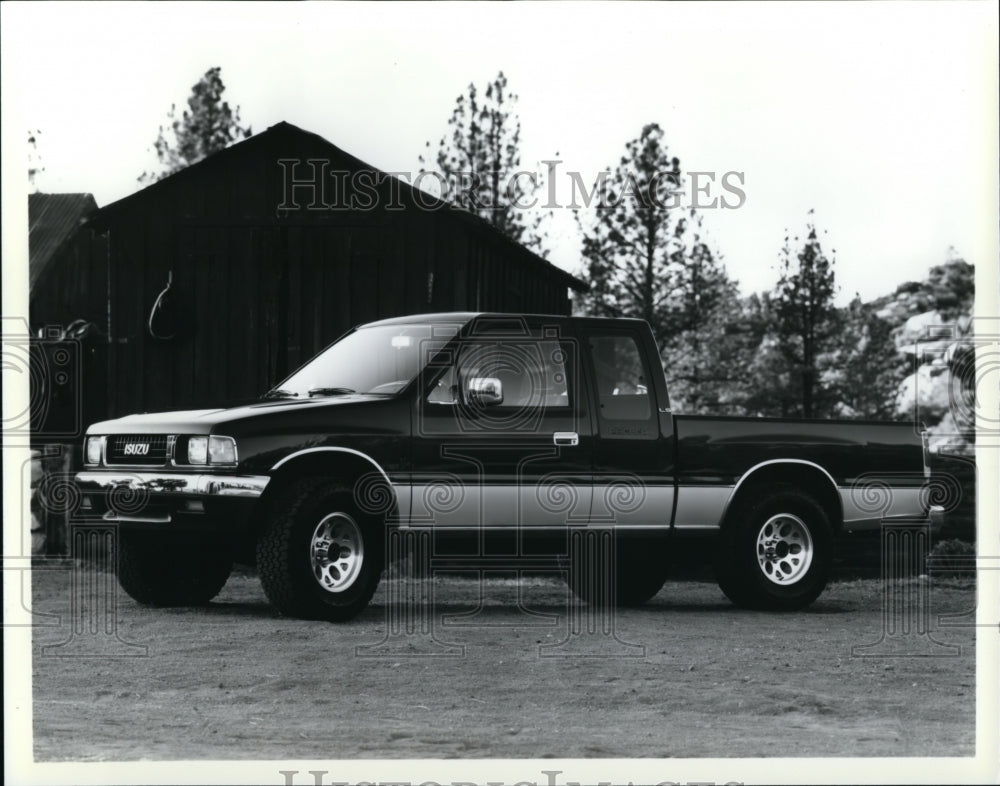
[931,325]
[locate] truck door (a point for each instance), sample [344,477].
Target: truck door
[502,436]
[633,456]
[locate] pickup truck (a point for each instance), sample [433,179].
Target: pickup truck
[497,429]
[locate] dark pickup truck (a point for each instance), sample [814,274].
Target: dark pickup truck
[489,427]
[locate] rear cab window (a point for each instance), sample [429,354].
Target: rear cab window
[622,382]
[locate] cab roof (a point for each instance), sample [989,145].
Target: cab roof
[463,317]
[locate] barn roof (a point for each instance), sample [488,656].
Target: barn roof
[52,218]
[284,133]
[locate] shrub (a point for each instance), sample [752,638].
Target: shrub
[952,558]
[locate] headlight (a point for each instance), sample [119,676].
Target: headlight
[198,450]
[211,450]
[94,450]
[221,450]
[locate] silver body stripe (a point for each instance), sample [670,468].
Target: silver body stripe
[701,507]
[868,508]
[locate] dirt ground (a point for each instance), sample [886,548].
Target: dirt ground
[687,675]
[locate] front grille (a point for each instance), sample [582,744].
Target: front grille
[136,449]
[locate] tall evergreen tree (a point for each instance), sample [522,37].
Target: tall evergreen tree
[700,284]
[705,348]
[806,318]
[706,365]
[478,164]
[207,126]
[771,390]
[648,257]
[632,245]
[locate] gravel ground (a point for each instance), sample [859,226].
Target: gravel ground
[498,674]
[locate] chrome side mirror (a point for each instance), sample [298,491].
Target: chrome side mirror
[485,391]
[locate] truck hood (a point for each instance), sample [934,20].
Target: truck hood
[205,421]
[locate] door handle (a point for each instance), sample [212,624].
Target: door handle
[566,438]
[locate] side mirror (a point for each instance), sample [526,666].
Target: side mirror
[485,391]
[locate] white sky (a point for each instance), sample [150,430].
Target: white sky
[881,117]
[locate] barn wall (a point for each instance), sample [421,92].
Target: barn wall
[258,291]
[73,287]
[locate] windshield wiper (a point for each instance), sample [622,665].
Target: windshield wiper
[329,391]
[280,393]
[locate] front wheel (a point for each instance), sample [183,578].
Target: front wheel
[319,556]
[164,570]
[775,551]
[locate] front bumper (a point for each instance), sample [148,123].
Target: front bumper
[175,483]
[170,499]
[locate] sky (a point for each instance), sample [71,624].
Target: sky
[880,117]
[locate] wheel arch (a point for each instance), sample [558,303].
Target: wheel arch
[805,475]
[366,478]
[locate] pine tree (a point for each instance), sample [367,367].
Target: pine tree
[632,241]
[770,390]
[706,365]
[705,350]
[478,165]
[207,126]
[806,319]
[649,257]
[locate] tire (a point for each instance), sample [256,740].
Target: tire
[301,575]
[640,571]
[775,551]
[162,570]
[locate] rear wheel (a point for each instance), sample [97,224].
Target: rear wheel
[319,556]
[775,551]
[164,570]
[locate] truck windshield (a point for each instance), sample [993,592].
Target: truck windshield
[380,360]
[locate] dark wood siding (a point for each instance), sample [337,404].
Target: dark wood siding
[255,290]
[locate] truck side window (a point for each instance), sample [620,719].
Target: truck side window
[532,373]
[622,387]
[445,390]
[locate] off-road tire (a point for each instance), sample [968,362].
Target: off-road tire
[165,570]
[292,570]
[775,550]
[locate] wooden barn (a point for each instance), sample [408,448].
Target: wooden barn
[67,282]
[212,284]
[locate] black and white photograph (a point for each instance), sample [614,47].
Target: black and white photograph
[545,393]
